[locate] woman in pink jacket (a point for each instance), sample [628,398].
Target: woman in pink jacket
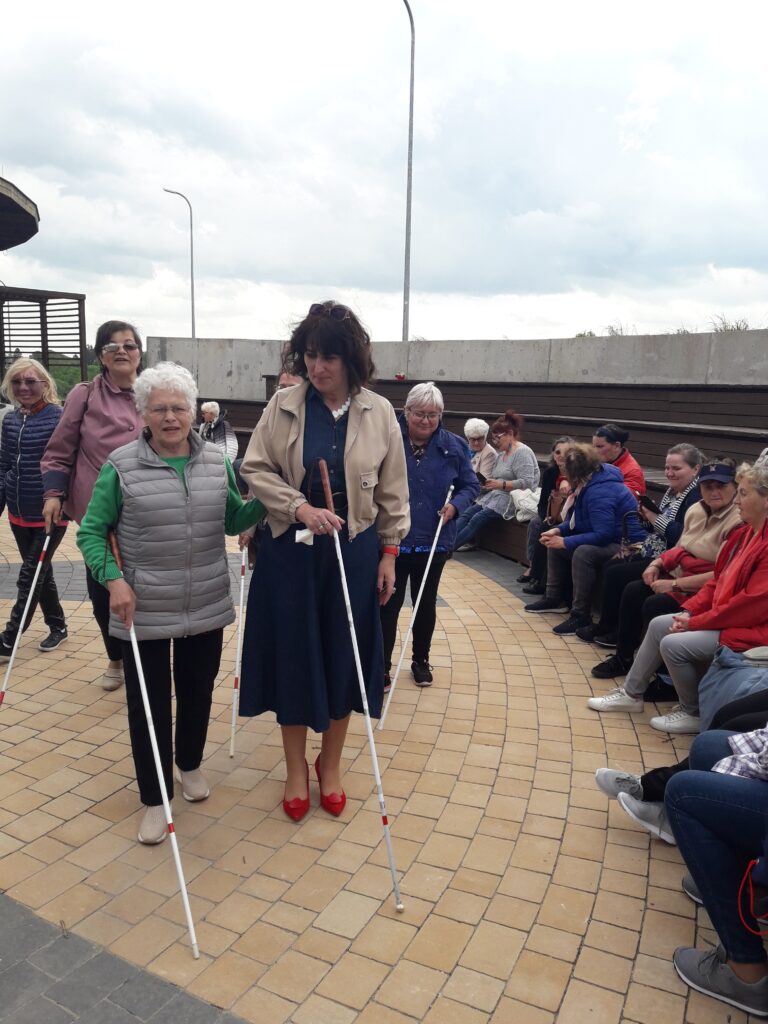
[98,417]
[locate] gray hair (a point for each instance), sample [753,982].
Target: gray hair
[690,453]
[476,428]
[211,407]
[168,377]
[425,394]
[756,476]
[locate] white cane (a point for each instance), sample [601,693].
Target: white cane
[361,682]
[159,770]
[413,613]
[30,595]
[238,657]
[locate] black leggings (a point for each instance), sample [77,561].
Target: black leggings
[742,715]
[99,596]
[413,566]
[639,605]
[196,661]
[29,541]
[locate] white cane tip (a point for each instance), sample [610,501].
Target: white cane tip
[195,951]
[400,908]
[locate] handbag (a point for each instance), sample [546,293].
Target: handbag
[628,551]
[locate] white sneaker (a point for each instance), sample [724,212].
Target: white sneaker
[112,679]
[612,783]
[194,785]
[154,827]
[616,700]
[650,815]
[677,721]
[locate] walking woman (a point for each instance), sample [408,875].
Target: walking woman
[297,656]
[98,417]
[170,497]
[436,459]
[25,433]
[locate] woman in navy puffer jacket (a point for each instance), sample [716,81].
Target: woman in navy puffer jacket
[25,433]
[436,459]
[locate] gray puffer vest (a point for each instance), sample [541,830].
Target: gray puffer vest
[171,537]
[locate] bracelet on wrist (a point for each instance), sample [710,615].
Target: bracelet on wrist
[389,549]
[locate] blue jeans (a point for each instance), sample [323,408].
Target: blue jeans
[719,822]
[471,521]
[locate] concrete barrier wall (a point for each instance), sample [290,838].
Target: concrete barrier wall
[234,368]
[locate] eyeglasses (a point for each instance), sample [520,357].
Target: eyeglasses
[112,348]
[26,382]
[335,310]
[176,410]
[433,417]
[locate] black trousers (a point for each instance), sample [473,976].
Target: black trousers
[29,541]
[639,605]
[196,661]
[616,577]
[412,567]
[742,715]
[99,596]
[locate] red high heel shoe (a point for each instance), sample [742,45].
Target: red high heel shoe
[334,803]
[298,807]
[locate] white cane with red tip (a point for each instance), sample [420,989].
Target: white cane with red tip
[238,657]
[416,604]
[30,595]
[159,770]
[369,729]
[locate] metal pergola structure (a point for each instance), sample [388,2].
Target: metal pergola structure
[49,326]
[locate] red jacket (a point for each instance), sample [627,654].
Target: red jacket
[743,621]
[631,471]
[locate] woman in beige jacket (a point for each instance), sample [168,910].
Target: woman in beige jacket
[297,655]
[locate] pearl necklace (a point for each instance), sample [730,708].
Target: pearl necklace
[338,413]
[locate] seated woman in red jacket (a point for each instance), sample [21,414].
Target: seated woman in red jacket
[609,440]
[731,610]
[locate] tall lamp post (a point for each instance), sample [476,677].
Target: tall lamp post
[407,274]
[173,192]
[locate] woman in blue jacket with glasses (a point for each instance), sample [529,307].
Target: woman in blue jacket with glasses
[436,459]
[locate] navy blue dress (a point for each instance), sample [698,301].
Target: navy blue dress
[297,650]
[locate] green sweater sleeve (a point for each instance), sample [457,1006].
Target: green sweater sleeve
[240,515]
[101,516]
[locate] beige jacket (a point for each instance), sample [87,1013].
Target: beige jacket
[374,464]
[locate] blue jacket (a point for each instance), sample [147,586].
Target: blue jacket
[599,510]
[23,441]
[446,462]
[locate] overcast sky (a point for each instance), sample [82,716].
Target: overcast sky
[575,164]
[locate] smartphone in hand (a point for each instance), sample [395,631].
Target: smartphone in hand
[648,503]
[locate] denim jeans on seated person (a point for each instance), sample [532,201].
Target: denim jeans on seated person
[471,521]
[719,822]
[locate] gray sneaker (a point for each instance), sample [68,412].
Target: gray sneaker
[650,815]
[612,783]
[708,972]
[691,890]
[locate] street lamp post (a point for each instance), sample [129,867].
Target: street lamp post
[407,274]
[173,192]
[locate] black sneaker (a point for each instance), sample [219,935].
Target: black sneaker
[606,639]
[422,673]
[525,578]
[387,682]
[535,588]
[5,652]
[547,604]
[587,633]
[54,639]
[611,667]
[571,624]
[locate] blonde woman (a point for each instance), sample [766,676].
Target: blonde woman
[25,433]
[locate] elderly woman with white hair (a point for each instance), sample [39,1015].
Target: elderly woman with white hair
[483,454]
[436,460]
[170,497]
[217,430]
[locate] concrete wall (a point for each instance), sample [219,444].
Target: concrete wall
[233,368]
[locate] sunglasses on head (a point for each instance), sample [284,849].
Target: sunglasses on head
[333,310]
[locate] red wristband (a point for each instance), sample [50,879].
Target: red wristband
[388,550]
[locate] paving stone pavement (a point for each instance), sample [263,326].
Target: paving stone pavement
[529,897]
[50,976]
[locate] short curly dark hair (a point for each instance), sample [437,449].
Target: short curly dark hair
[345,338]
